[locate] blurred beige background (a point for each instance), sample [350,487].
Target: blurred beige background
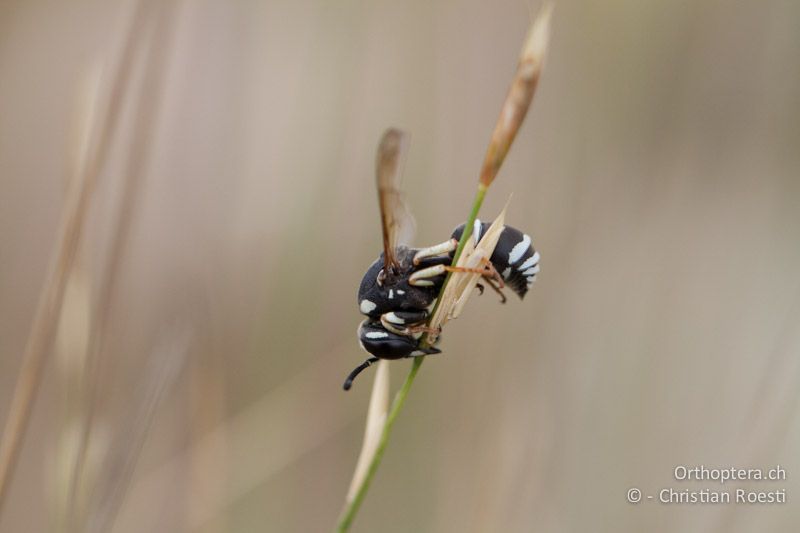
[658,172]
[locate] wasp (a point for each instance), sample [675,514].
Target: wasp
[400,288]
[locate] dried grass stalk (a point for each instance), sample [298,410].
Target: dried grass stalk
[376,417]
[157,27]
[462,284]
[43,329]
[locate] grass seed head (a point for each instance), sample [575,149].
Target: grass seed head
[520,95]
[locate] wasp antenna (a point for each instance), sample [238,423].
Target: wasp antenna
[357,370]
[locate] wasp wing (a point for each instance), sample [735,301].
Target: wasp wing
[396,220]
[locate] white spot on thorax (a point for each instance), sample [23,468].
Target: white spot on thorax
[367,307]
[506,272]
[400,292]
[376,335]
[519,249]
[391,293]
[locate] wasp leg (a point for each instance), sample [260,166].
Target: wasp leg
[487,271]
[420,278]
[398,321]
[495,275]
[498,290]
[438,249]
[495,281]
[476,270]
[426,351]
[480,288]
[422,328]
[357,370]
[411,330]
[408,323]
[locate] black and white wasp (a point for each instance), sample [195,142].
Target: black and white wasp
[401,286]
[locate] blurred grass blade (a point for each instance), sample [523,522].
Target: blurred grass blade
[164,366]
[243,436]
[154,37]
[40,339]
[72,340]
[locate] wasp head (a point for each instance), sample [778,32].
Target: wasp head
[385,289]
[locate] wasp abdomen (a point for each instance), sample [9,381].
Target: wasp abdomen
[514,256]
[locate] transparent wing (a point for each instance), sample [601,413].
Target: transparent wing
[396,220]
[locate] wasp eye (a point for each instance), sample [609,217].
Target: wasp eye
[381,277]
